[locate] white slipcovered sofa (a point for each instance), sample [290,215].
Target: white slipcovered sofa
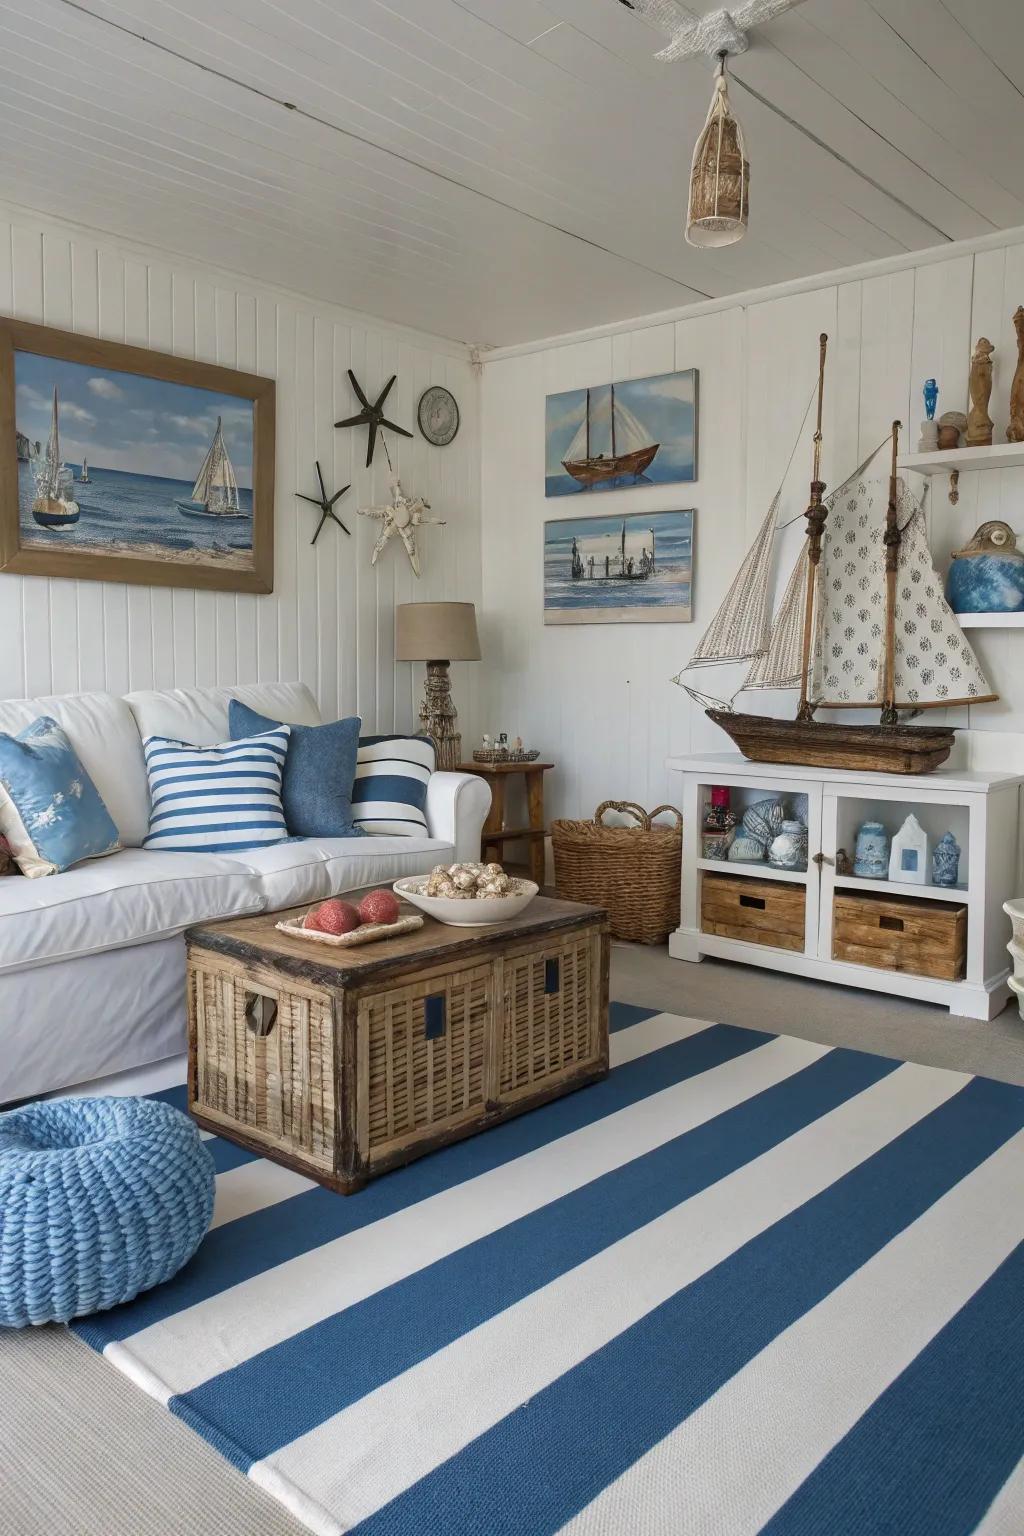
[92,962]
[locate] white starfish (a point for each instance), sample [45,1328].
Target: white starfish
[717,32]
[401,516]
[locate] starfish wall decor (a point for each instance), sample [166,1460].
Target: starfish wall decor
[372,416]
[326,505]
[402,516]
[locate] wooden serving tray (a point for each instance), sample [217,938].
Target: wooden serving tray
[366,933]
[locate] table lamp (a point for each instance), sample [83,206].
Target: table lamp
[438,633]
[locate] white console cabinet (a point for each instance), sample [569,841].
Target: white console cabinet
[981,809]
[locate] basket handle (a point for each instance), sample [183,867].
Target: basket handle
[676,813]
[627,807]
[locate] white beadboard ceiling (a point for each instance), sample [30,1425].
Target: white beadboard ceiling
[500,170]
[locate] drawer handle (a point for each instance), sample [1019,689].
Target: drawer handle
[433,1017]
[260,1013]
[552,977]
[895,923]
[753,901]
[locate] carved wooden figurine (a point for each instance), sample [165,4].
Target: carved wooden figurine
[979,422]
[1015,431]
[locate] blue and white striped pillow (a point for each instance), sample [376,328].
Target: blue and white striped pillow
[216,799]
[389,795]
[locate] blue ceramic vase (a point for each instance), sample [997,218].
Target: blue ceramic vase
[987,575]
[946,860]
[871,856]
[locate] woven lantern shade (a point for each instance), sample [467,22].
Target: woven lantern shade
[719,176]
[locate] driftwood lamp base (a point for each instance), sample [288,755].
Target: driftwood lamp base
[438,716]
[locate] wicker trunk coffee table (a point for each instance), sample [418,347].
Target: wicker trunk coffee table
[345,1063]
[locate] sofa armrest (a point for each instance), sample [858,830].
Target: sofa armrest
[457,806]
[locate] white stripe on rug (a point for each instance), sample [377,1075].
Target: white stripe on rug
[740,1456]
[361,1458]
[253,1187]
[222,1331]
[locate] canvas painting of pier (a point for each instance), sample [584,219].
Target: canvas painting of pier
[127,465]
[613,436]
[636,569]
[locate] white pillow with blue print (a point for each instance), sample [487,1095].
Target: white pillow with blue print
[389,796]
[51,812]
[216,799]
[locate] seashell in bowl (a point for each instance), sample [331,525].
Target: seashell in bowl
[763,820]
[463,911]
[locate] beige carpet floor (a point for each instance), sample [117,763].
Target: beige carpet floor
[83,1453]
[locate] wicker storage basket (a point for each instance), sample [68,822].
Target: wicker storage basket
[632,871]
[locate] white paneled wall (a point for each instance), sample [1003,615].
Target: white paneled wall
[329,620]
[597,698]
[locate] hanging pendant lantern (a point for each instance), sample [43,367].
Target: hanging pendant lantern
[719,176]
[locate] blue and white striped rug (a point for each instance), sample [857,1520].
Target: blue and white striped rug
[746,1284]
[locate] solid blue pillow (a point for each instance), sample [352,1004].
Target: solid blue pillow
[319,771]
[51,812]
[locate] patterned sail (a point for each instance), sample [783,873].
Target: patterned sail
[781,665]
[216,485]
[934,665]
[740,630]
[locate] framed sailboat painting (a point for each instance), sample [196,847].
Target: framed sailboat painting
[121,464]
[635,569]
[614,436]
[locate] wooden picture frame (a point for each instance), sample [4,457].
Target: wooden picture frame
[202,550]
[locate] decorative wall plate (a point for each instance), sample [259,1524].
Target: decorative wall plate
[438,415]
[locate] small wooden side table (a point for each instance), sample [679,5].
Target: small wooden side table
[495,833]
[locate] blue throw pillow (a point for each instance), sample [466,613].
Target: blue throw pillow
[216,799]
[318,772]
[390,794]
[51,812]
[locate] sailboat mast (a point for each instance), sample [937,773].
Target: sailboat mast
[613,420]
[587,455]
[891,539]
[816,515]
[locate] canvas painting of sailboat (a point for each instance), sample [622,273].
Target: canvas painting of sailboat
[635,569]
[614,436]
[133,473]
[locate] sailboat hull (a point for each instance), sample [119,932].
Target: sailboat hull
[590,471]
[198,509]
[49,512]
[822,744]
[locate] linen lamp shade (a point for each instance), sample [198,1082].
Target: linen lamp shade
[436,632]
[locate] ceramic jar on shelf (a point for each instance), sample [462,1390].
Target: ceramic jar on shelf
[946,860]
[789,847]
[871,852]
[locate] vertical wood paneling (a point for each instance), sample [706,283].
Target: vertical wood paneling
[597,698]
[330,618]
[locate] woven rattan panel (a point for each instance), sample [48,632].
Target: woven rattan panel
[279,1084]
[549,1021]
[415,1082]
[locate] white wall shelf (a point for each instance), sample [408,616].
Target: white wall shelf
[756,871]
[944,460]
[981,809]
[990,620]
[898,888]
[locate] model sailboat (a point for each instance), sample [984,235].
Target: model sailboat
[215,493]
[54,505]
[628,447]
[863,624]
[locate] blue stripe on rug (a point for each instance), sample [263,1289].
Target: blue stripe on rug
[284,1391]
[563,1447]
[622,1015]
[934,1450]
[240,1249]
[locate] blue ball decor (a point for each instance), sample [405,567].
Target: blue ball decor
[99,1199]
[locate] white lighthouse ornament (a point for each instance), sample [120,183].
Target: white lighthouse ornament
[908,856]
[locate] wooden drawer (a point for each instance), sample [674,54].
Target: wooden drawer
[423,1059]
[768,912]
[263,1053]
[926,938]
[551,1008]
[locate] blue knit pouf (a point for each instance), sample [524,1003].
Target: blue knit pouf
[99,1199]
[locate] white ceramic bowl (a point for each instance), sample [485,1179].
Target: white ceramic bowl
[472,912]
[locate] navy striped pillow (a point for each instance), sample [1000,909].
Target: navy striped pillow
[216,799]
[389,795]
